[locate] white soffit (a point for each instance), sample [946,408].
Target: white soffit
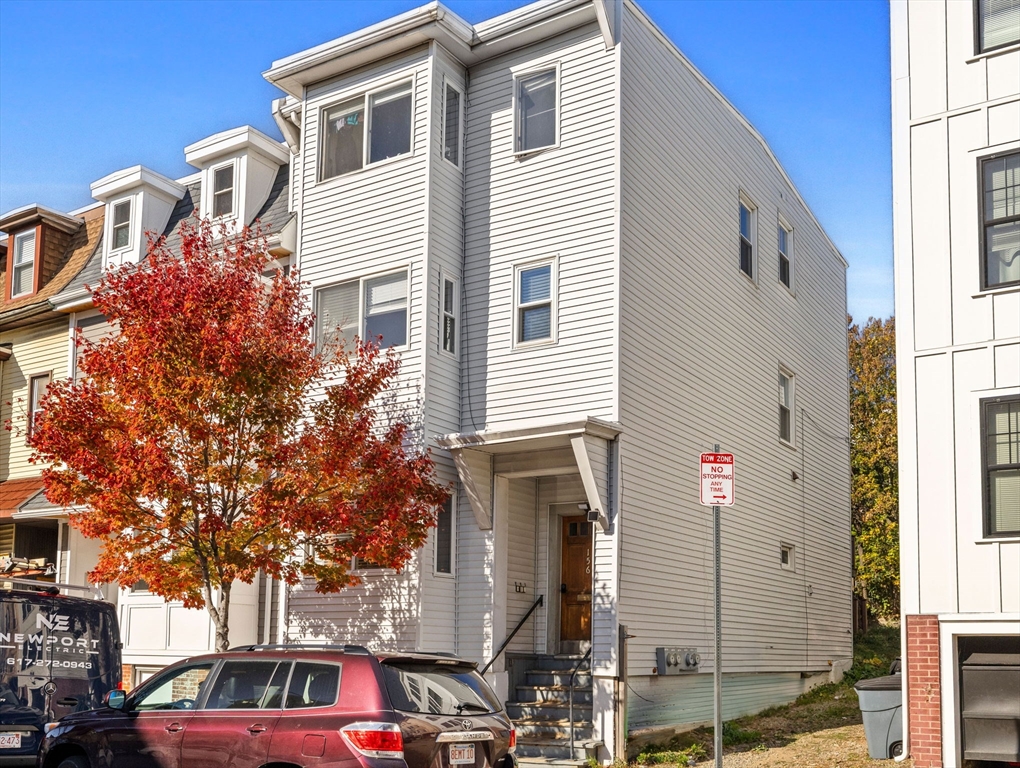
[119,182]
[203,153]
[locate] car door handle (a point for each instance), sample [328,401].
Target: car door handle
[257,728]
[174,728]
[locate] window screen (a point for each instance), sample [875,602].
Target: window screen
[343,138]
[391,123]
[536,106]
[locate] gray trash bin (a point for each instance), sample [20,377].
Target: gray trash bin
[881,702]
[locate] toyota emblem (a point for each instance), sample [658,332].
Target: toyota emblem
[466,724]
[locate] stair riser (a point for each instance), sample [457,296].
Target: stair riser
[553,694]
[533,711]
[582,731]
[559,665]
[550,677]
[550,752]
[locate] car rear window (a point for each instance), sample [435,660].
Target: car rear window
[438,689]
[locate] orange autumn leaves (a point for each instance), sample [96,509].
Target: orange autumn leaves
[208,439]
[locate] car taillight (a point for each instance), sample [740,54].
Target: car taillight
[513,740]
[374,739]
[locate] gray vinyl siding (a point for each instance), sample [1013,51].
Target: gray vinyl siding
[704,345]
[557,202]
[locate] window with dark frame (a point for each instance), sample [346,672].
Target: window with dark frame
[23,264]
[37,386]
[346,143]
[444,537]
[449,329]
[223,191]
[785,407]
[1000,178]
[451,125]
[998,24]
[1001,429]
[746,242]
[536,110]
[784,255]
[122,225]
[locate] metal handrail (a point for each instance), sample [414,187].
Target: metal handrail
[517,629]
[571,699]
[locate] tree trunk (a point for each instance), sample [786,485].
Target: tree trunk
[219,612]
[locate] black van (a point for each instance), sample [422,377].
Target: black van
[58,654]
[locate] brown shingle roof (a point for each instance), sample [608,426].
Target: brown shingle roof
[83,243]
[14,493]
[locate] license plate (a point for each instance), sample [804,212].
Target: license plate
[13,741]
[462,754]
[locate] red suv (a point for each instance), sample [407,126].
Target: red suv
[291,706]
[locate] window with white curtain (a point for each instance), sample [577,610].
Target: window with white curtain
[1001,213]
[1001,428]
[373,308]
[998,24]
[23,266]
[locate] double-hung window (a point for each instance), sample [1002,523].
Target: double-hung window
[223,191]
[1001,213]
[746,239]
[1001,428]
[452,115]
[121,225]
[535,293]
[785,406]
[37,386]
[785,241]
[998,24]
[365,130]
[537,124]
[23,265]
[373,308]
[449,315]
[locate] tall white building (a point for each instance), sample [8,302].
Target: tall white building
[956,167]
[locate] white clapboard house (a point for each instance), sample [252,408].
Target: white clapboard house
[956,192]
[593,268]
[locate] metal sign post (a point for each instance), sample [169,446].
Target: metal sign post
[717,491]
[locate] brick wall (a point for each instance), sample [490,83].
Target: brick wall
[924,692]
[127,676]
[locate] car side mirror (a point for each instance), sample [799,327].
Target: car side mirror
[115,699]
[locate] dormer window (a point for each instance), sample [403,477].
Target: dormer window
[223,191]
[23,270]
[121,225]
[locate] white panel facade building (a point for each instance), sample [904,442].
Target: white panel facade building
[956,166]
[594,269]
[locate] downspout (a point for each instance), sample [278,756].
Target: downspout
[291,132]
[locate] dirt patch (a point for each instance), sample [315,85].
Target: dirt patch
[842,747]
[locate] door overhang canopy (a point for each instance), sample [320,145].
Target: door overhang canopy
[531,449]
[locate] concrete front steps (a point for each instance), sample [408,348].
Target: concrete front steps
[540,710]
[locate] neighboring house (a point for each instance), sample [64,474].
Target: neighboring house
[44,251]
[956,193]
[594,269]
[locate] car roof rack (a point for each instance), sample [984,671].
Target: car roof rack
[353,650]
[49,587]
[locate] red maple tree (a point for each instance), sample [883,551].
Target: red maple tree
[203,442]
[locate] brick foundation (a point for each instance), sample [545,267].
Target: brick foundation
[924,691]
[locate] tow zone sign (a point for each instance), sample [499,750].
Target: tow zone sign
[717,479]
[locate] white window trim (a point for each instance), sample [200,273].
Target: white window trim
[553,300]
[130,225]
[743,199]
[366,95]
[235,197]
[790,248]
[792,378]
[362,279]
[792,549]
[443,277]
[520,74]
[453,543]
[34,233]
[448,83]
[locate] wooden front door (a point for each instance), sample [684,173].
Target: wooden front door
[575,580]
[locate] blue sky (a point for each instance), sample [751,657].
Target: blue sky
[88,88]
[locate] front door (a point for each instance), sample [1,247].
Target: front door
[575,582]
